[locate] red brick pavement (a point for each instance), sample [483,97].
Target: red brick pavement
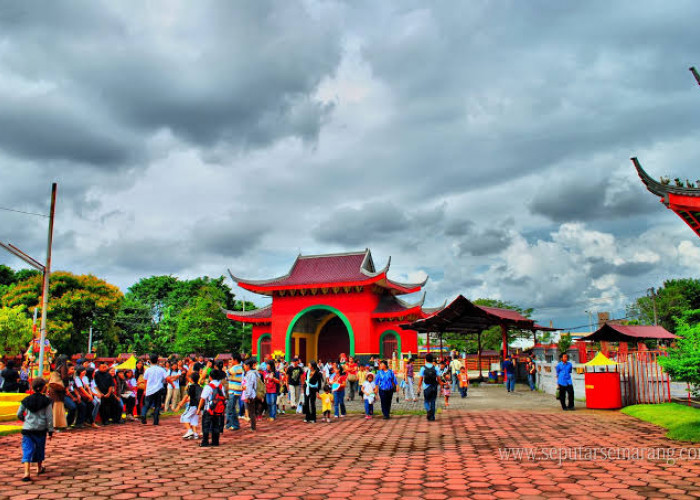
[354,458]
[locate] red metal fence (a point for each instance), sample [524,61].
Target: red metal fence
[642,379]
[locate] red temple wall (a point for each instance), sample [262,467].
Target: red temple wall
[356,307]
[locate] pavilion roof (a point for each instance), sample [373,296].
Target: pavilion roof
[262,315]
[343,269]
[611,332]
[463,316]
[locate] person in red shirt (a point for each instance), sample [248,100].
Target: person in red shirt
[351,368]
[272,380]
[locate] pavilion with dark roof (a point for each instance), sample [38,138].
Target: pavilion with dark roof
[332,304]
[611,332]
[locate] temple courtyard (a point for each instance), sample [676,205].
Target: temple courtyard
[467,453]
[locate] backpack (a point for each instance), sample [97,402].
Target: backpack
[260,388]
[217,402]
[430,375]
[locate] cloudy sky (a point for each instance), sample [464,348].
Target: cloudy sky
[485,144]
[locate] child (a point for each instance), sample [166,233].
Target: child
[37,414]
[326,402]
[213,404]
[446,388]
[190,417]
[463,382]
[369,392]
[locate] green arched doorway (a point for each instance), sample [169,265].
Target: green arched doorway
[322,323]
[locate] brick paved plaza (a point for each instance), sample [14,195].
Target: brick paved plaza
[405,457]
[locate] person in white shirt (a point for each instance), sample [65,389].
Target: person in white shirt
[172,397]
[155,377]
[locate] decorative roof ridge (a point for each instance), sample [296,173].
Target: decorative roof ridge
[408,305]
[268,281]
[408,285]
[339,254]
[659,189]
[433,310]
[249,313]
[374,274]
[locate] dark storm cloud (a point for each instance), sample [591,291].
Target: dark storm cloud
[600,267]
[361,226]
[241,75]
[44,130]
[587,199]
[146,256]
[232,237]
[490,241]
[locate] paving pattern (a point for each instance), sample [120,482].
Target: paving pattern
[404,457]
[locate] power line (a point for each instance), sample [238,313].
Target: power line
[23,212]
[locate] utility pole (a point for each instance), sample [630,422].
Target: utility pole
[653,301]
[47,273]
[43,268]
[89,351]
[590,320]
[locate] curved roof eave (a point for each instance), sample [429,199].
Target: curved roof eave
[659,189]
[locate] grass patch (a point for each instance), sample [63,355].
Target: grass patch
[682,422]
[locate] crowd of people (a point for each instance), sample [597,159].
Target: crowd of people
[217,396]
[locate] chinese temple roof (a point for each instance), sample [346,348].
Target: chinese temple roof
[262,315]
[330,270]
[684,201]
[610,332]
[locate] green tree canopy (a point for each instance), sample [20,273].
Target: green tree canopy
[673,299]
[163,314]
[15,330]
[75,303]
[683,361]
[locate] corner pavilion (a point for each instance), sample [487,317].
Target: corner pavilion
[332,304]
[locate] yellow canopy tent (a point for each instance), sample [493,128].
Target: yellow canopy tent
[129,364]
[601,360]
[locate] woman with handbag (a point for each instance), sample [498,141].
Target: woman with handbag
[57,391]
[352,368]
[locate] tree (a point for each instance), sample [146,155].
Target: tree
[673,299]
[564,343]
[683,361]
[75,303]
[163,314]
[202,327]
[15,330]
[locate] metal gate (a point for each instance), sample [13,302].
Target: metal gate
[642,379]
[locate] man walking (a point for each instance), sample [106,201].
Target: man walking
[455,367]
[294,372]
[531,373]
[251,383]
[235,389]
[509,368]
[386,383]
[154,376]
[566,385]
[429,382]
